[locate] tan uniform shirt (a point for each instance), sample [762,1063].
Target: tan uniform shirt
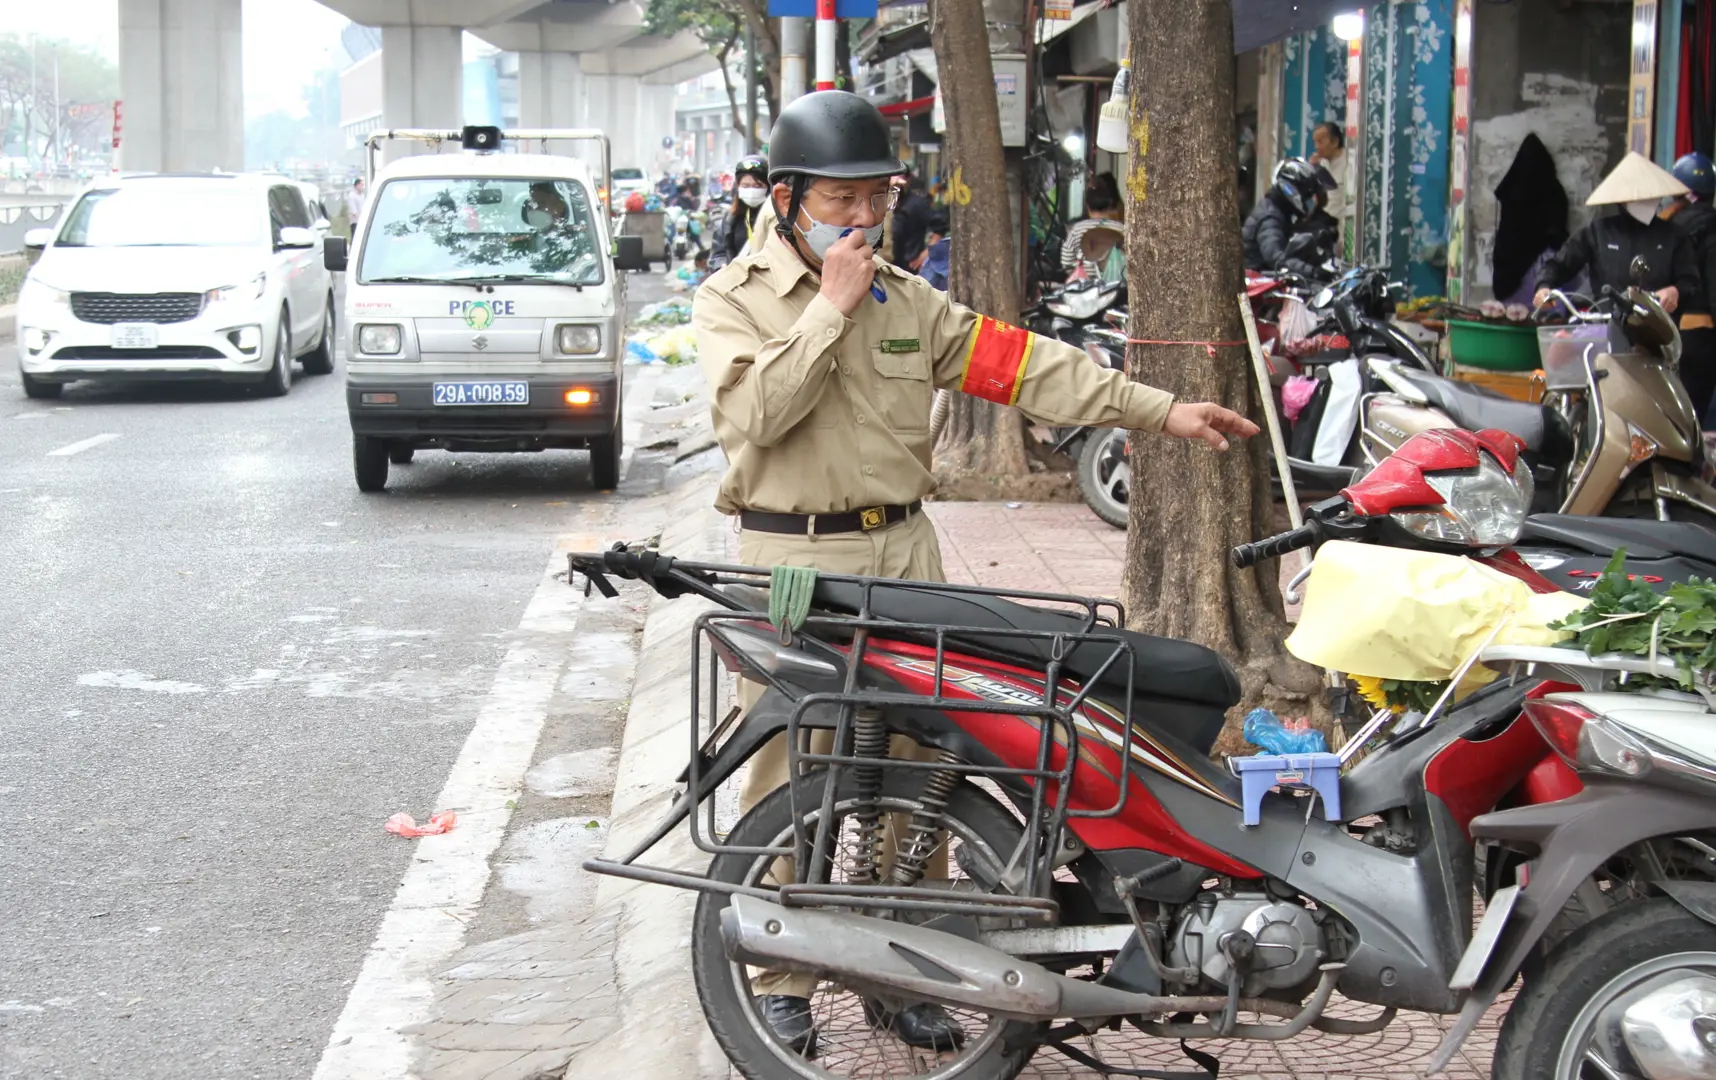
[819,413]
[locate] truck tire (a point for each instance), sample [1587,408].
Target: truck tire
[369,462]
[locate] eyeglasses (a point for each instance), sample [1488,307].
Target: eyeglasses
[879,204]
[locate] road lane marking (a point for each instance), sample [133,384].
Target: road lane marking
[443,888]
[87,444]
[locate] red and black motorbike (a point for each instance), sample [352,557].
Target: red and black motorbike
[1097,870]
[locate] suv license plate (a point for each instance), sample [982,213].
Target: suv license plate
[482,393]
[135,335]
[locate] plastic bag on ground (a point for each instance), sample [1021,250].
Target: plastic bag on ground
[1263,728]
[403,824]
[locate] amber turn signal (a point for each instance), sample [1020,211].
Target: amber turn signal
[580,397]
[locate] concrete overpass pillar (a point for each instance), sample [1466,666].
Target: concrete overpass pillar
[551,90]
[181,77]
[422,81]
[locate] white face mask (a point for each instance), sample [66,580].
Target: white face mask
[538,219]
[753,196]
[1642,210]
[822,236]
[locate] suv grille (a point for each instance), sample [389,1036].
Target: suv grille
[109,308]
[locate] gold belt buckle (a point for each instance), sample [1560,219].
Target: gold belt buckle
[873,518]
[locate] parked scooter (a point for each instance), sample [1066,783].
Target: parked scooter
[1616,434]
[1101,873]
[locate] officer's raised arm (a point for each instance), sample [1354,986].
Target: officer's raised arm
[1055,383]
[764,388]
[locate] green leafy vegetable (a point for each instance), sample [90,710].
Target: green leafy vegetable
[1627,616]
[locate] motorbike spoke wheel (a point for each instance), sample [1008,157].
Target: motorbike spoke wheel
[848,1045]
[1104,473]
[1640,966]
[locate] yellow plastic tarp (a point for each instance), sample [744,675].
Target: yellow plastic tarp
[1415,615]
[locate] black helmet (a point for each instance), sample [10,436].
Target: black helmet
[755,165]
[1300,184]
[1695,172]
[832,133]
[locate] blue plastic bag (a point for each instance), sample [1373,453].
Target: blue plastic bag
[1263,728]
[641,353]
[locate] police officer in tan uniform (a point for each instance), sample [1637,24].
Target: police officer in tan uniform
[822,362]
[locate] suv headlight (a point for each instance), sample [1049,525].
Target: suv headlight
[1482,508]
[36,292]
[381,339]
[248,290]
[578,339]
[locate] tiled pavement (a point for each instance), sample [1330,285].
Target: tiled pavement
[1066,548]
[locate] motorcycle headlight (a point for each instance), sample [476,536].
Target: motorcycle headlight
[1480,508]
[578,340]
[248,290]
[1080,305]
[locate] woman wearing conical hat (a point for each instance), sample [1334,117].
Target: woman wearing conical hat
[1607,245]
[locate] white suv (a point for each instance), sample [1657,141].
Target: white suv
[177,277]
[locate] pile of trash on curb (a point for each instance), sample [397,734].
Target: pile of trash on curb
[663,334]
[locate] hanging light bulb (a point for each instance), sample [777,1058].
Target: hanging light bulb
[1348,26]
[1074,144]
[1111,127]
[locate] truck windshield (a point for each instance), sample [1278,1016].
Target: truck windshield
[465,228]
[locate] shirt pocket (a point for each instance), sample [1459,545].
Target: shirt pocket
[903,390]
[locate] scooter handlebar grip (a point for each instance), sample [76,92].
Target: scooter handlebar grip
[1246,556]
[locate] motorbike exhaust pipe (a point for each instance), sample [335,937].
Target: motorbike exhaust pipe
[877,956]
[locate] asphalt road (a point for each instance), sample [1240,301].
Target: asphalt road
[224,669]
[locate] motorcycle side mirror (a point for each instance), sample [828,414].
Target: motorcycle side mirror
[1639,269]
[1301,242]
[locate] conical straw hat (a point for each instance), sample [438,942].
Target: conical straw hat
[1635,179]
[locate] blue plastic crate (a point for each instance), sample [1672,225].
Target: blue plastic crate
[1319,772]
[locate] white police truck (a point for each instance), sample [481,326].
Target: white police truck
[485,303]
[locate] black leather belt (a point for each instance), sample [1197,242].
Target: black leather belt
[867,520]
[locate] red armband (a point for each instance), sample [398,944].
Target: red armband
[995,361]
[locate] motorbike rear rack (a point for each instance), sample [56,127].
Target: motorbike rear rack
[1040,794]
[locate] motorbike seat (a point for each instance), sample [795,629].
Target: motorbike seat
[1644,538]
[1476,408]
[1162,668]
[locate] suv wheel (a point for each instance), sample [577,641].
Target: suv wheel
[320,360]
[278,381]
[369,462]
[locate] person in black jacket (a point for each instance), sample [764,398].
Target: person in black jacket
[1693,215]
[750,191]
[1296,194]
[911,224]
[1607,245]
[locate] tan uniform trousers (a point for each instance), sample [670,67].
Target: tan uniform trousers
[907,550]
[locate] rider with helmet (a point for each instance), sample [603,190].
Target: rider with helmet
[1299,191]
[822,361]
[750,191]
[1695,217]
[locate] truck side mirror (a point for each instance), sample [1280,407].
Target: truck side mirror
[334,253]
[629,253]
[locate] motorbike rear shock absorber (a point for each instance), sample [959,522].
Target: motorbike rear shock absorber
[920,840]
[869,741]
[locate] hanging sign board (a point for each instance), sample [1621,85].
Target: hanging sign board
[806,9]
[1057,9]
[1640,106]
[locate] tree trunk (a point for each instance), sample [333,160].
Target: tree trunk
[981,439]
[1185,269]
[727,77]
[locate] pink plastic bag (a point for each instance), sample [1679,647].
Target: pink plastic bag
[1296,395]
[403,824]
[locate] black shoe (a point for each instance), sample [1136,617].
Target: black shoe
[789,1018]
[925,1026]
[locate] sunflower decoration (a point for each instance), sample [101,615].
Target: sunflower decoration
[1398,695]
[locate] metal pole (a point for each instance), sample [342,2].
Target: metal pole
[827,27]
[793,84]
[58,108]
[750,88]
[30,113]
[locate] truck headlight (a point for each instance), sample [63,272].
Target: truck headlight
[578,339]
[248,290]
[379,339]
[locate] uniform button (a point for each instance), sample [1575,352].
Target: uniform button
[833,332]
[845,371]
[860,418]
[869,470]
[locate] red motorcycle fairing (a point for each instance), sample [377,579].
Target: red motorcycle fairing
[1014,740]
[1399,481]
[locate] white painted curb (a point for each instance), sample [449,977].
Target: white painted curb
[661,1030]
